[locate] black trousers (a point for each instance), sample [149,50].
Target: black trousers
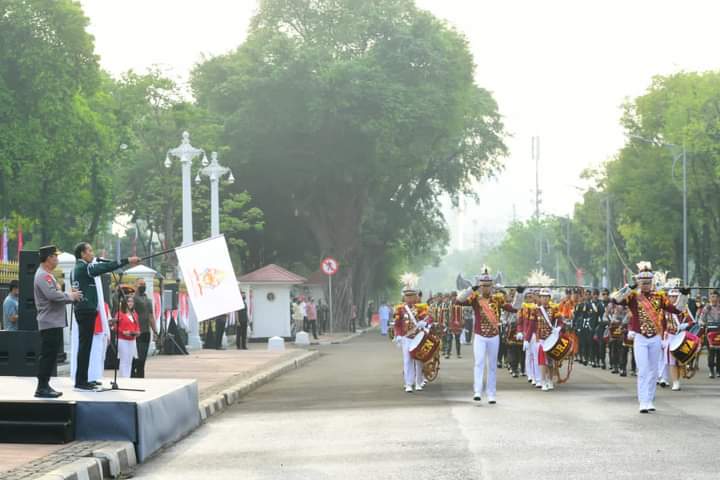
[514,355]
[312,325]
[600,351]
[502,352]
[50,341]
[241,334]
[86,329]
[713,359]
[138,366]
[616,347]
[219,330]
[447,344]
[586,345]
[306,326]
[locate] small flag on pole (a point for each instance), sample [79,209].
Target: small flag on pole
[20,240]
[4,245]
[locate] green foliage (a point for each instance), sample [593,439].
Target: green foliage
[56,130]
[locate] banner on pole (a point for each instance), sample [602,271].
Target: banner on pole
[208,273]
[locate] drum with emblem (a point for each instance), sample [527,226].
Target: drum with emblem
[557,346]
[424,345]
[684,347]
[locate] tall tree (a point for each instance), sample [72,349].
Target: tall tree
[348,120]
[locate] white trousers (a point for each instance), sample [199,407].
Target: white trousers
[96,366]
[532,367]
[485,350]
[412,369]
[127,350]
[647,352]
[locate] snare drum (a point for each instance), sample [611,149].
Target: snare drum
[557,346]
[423,346]
[684,347]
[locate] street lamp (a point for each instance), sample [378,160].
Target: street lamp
[215,172]
[186,153]
[683,154]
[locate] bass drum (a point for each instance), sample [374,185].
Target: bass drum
[423,346]
[557,346]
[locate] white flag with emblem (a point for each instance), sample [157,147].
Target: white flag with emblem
[210,279]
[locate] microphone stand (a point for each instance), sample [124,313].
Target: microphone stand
[116,361]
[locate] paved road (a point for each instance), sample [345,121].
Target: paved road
[345,416]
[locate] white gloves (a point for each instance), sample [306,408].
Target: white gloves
[526,346]
[631,335]
[557,330]
[683,326]
[422,324]
[519,336]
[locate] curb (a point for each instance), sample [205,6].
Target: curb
[111,460]
[218,403]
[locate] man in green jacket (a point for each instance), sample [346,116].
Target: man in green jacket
[87,268]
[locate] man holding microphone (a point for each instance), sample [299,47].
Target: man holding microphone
[86,276]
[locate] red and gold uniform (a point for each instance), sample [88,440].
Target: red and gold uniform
[487,307]
[646,327]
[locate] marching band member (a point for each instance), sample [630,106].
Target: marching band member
[675,323]
[409,317]
[646,328]
[454,327]
[487,307]
[710,319]
[549,321]
[614,317]
[527,318]
[514,342]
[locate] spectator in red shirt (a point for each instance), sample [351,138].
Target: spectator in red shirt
[129,330]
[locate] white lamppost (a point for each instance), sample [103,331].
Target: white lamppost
[215,172]
[186,153]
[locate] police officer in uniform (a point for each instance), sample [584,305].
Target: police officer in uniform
[50,302]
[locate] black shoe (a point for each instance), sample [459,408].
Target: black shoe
[95,383]
[623,373]
[614,371]
[47,392]
[604,367]
[85,387]
[644,410]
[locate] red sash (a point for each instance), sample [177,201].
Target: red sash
[492,318]
[650,312]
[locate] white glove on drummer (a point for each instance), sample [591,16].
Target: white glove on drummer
[557,330]
[683,326]
[519,336]
[526,346]
[396,340]
[631,335]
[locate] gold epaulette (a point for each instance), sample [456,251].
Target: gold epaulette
[529,306]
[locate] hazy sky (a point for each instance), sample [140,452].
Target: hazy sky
[559,69]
